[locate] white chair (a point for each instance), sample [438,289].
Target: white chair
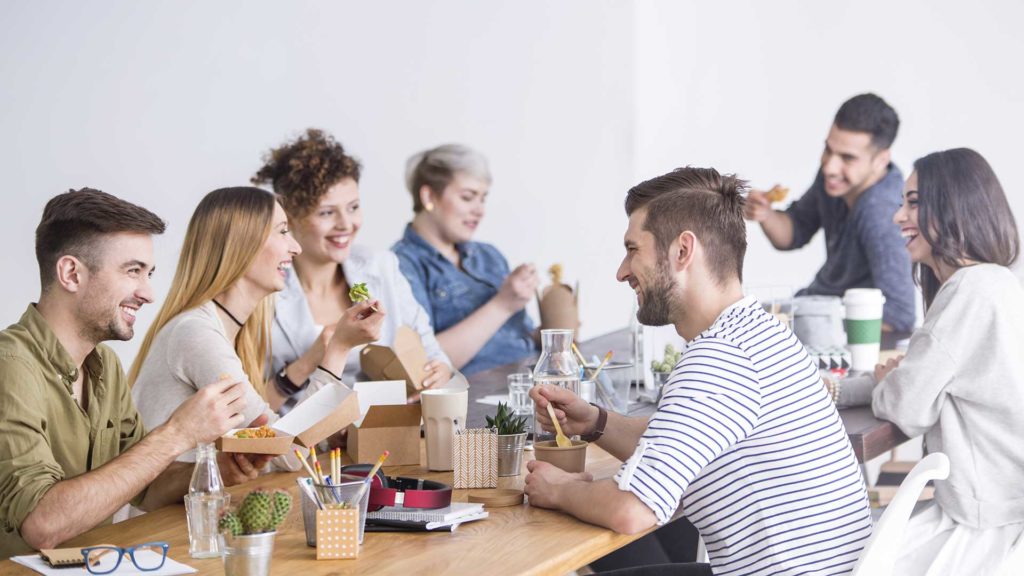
[885,543]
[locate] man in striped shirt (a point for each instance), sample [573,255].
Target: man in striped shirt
[745,442]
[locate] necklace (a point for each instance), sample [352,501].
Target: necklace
[226,311]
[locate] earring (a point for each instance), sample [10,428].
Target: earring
[429,206]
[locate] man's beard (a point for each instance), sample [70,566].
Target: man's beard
[100,326]
[657,308]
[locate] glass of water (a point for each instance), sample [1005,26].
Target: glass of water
[519,393]
[202,511]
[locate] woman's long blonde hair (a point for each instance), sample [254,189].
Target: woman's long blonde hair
[224,236]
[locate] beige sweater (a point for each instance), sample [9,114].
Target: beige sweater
[961,385]
[189,352]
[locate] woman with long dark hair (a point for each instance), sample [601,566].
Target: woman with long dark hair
[960,384]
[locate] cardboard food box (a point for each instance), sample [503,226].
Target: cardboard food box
[331,409]
[403,360]
[395,428]
[558,307]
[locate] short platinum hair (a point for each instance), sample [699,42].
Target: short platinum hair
[437,167]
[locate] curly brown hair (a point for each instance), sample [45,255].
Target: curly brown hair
[301,171]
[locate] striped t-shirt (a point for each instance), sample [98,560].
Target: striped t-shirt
[747,440]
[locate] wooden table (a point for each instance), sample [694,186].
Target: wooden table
[513,540]
[870,436]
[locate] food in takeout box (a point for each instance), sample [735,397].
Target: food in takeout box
[261,432]
[331,409]
[778,193]
[559,303]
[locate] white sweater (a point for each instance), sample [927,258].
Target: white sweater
[961,384]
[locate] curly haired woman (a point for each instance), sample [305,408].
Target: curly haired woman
[318,184]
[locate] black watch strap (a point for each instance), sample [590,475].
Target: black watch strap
[602,420]
[285,385]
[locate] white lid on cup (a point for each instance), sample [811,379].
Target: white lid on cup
[862,296]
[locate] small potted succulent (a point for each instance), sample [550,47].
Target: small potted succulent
[661,371]
[511,439]
[249,534]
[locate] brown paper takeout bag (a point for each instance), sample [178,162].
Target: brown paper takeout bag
[559,308]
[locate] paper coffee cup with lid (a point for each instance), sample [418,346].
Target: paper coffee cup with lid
[863,326]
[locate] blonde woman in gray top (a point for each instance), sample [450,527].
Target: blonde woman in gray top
[960,383]
[215,322]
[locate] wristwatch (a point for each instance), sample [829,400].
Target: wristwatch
[598,431]
[285,385]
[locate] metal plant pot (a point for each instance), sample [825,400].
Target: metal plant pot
[248,555]
[510,453]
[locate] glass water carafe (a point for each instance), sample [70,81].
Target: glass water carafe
[557,366]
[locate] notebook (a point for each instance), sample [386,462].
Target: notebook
[442,515]
[378,525]
[63,557]
[35,562]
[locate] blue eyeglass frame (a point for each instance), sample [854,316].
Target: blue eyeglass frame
[122,552]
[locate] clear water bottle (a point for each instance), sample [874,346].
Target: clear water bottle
[203,504]
[557,366]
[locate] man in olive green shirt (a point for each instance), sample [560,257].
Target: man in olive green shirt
[72,445]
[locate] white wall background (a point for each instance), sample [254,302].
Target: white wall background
[572,101]
[751,87]
[161,102]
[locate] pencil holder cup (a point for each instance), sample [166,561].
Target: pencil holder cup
[475,458]
[337,534]
[345,494]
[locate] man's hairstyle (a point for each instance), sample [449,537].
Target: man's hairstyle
[869,113]
[303,170]
[74,222]
[702,201]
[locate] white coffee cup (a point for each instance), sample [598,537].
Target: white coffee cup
[863,326]
[444,411]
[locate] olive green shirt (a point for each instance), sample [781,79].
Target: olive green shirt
[45,436]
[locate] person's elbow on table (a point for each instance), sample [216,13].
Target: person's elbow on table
[630,515]
[37,534]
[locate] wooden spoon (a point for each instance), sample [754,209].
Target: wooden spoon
[560,439]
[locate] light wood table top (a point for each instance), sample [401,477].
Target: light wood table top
[513,540]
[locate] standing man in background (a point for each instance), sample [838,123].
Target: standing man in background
[853,198]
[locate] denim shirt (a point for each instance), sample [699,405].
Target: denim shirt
[450,294]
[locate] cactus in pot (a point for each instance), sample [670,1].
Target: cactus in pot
[260,512]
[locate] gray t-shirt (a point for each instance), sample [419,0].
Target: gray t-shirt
[863,246]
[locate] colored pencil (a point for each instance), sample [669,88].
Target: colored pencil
[305,464]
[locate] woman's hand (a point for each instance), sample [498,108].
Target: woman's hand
[518,288]
[438,374]
[883,370]
[359,325]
